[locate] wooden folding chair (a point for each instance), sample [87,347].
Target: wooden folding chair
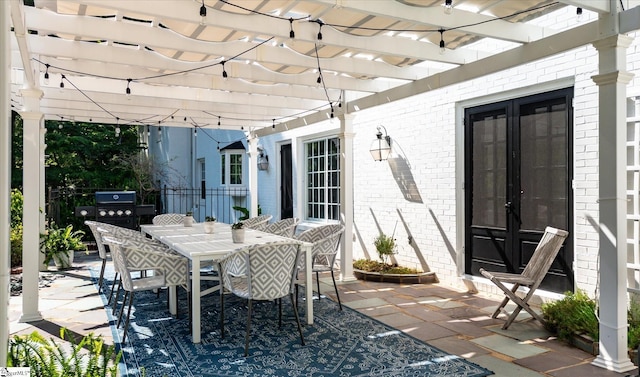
[531,276]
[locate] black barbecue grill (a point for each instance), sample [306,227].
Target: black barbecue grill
[117,208]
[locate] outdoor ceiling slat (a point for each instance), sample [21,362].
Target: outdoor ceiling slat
[117,55]
[307,31]
[564,41]
[187,94]
[111,30]
[434,16]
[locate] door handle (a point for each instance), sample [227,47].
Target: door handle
[507,205]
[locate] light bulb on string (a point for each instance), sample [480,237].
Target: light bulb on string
[320,23]
[442,46]
[117,126]
[62,81]
[203,14]
[448,6]
[128,90]
[224,71]
[578,14]
[218,120]
[46,74]
[292,34]
[273,124]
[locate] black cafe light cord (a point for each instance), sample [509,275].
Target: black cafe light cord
[320,80]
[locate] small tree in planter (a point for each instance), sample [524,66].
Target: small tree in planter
[385,246]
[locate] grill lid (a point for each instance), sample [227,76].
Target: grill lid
[110,197]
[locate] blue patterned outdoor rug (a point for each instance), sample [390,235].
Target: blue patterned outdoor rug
[339,343]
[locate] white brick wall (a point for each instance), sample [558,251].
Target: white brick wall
[423,130]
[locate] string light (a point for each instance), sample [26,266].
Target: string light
[62,82]
[46,75]
[448,6]
[292,34]
[578,14]
[128,91]
[195,131]
[442,47]
[218,120]
[273,125]
[320,23]
[203,14]
[224,72]
[117,126]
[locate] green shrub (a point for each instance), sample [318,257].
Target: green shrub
[48,358]
[385,246]
[574,314]
[17,201]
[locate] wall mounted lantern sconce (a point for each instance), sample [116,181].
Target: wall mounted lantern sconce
[263,161]
[381,146]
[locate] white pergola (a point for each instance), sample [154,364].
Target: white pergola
[282,75]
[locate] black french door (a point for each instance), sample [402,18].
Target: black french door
[286,182]
[518,176]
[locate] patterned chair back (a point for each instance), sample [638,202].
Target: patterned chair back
[270,272]
[145,254]
[102,251]
[257,221]
[325,240]
[284,227]
[168,219]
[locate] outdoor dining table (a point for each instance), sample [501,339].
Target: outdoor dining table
[198,246]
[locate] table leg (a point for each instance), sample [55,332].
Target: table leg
[308,283]
[195,300]
[173,299]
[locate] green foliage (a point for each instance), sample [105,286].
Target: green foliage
[574,314]
[238,225]
[209,219]
[82,154]
[633,317]
[385,245]
[59,240]
[48,358]
[244,211]
[16,227]
[384,268]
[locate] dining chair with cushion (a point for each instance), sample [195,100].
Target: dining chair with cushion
[326,242]
[257,222]
[284,227]
[268,274]
[131,256]
[168,219]
[531,277]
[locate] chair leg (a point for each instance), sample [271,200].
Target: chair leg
[126,324]
[124,302]
[104,264]
[318,282]
[221,313]
[246,337]
[505,301]
[336,288]
[113,286]
[295,312]
[115,302]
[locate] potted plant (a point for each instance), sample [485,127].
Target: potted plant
[385,246]
[209,224]
[58,244]
[188,219]
[237,232]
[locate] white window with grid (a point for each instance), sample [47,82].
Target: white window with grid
[231,168]
[322,179]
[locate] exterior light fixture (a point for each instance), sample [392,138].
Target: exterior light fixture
[263,161]
[381,146]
